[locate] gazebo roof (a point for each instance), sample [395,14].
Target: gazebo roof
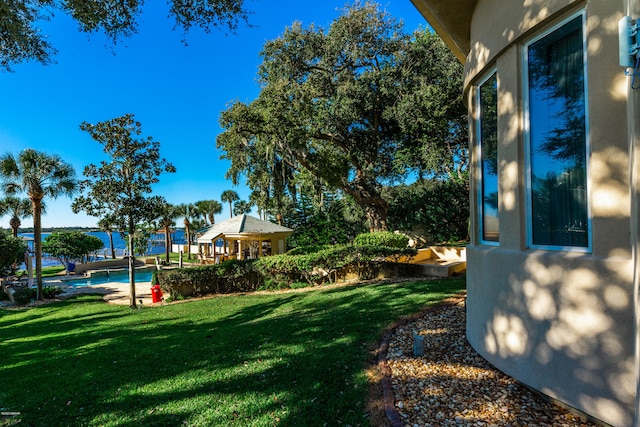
[243,226]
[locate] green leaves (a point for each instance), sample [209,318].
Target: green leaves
[382,238]
[22,40]
[38,175]
[357,106]
[70,245]
[17,208]
[208,209]
[120,187]
[12,249]
[229,196]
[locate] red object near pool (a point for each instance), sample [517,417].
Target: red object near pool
[156,294]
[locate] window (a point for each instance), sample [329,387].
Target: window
[487,128]
[555,103]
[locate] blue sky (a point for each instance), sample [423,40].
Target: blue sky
[177,92]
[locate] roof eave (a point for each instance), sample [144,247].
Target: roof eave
[452,21]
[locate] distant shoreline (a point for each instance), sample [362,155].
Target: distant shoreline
[52,229]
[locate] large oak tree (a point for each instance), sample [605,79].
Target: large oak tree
[360,105]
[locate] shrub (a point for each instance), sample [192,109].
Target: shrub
[438,210]
[228,277]
[51,291]
[11,250]
[382,238]
[24,295]
[317,266]
[304,250]
[327,265]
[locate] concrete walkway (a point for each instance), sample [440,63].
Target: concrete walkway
[116,293]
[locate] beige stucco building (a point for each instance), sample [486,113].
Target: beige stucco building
[552,264]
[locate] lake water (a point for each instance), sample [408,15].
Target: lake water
[155,245]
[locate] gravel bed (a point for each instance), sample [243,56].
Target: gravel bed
[451,385]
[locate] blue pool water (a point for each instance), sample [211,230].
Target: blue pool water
[141,277]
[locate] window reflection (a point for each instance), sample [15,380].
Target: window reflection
[488,135]
[557,127]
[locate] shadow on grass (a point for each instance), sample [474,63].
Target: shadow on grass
[288,359]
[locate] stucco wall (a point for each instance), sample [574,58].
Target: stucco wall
[561,322]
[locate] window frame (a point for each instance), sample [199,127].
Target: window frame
[480,166]
[527,137]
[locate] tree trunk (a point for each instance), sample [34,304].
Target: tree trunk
[167,244]
[14,222]
[377,217]
[187,229]
[36,203]
[374,205]
[113,251]
[132,269]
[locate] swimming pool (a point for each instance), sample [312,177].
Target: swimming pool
[112,278]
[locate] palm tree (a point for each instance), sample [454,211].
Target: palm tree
[242,207]
[230,196]
[167,213]
[106,225]
[209,209]
[187,210]
[39,175]
[18,208]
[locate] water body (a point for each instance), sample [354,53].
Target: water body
[155,245]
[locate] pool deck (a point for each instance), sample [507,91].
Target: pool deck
[116,293]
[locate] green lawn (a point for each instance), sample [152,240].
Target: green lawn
[286,359]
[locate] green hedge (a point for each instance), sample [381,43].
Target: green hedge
[305,250]
[24,296]
[383,239]
[326,265]
[227,277]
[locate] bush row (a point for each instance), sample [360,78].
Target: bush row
[382,238]
[24,296]
[313,267]
[228,277]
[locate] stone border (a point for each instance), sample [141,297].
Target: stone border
[385,382]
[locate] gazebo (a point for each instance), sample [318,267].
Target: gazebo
[243,237]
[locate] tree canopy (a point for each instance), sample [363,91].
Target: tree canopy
[208,209]
[17,208]
[12,251]
[21,39]
[68,246]
[358,106]
[120,187]
[229,196]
